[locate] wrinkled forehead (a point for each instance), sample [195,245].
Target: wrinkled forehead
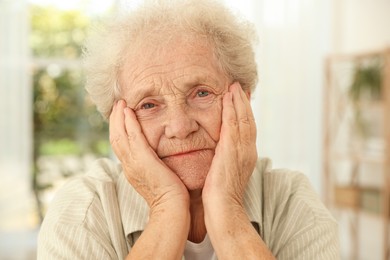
[160,48]
[182,59]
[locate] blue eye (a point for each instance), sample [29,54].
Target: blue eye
[148,106]
[202,93]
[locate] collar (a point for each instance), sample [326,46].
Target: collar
[135,211]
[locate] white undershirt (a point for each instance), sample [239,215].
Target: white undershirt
[202,251]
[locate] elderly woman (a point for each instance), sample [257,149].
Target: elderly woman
[174,80]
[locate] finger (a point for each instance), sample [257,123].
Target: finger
[249,113]
[252,134]
[118,136]
[229,129]
[247,103]
[243,119]
[136,138]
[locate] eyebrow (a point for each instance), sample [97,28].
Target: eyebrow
[189,81]
[195,79]
[139,94]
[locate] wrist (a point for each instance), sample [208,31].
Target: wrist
[176,197]
[222,214]
[169,208]
[164,235]
[224,211]
[222,203]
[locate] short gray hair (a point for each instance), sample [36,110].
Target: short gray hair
[231,37]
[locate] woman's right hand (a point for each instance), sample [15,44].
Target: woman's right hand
[152,179]
[169,218]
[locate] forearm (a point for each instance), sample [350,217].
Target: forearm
[233,236]
[164,236]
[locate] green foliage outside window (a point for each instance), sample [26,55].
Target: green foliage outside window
[57,33]
[65,121]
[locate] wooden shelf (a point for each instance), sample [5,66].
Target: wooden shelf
[367,199]
[364,158]
[347,151]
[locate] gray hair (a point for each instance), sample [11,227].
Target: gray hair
[106,50]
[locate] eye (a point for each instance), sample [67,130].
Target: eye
[201,97]
[147,106]
[202,93]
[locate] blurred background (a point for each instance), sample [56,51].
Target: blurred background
[322,107]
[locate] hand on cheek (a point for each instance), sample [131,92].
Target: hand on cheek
[235,155]
[227,223]
[143,169]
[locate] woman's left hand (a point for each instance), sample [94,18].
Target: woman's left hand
[235,155]
[227,223]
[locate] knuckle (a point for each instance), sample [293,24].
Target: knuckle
[114,139]
[232,122]
[131,136]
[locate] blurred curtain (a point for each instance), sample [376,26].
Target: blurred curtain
[294,38]
[15,112]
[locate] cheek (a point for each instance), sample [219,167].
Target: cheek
[211,121]
[152,131]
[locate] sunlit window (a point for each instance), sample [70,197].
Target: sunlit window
[68,131]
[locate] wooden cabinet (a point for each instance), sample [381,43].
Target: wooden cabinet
[356,156]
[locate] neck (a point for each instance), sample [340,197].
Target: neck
[197,227]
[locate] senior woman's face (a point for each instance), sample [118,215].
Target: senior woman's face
[176,93]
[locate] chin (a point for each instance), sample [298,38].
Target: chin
[193,184]
[192,170]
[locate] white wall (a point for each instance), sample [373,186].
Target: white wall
[362,25]
[15,117]
[294,38]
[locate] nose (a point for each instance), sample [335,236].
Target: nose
[179,123]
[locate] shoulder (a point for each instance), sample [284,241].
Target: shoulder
[281,184]
[291,190]
[285,183]
[296,222]
[75,218]
[75,197]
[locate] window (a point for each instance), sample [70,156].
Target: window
[68,131]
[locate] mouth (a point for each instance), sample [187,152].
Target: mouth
[186,153]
